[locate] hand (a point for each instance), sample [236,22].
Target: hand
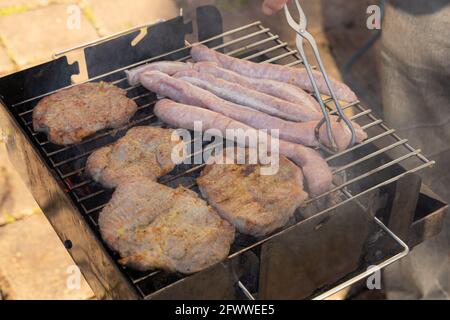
[272,6]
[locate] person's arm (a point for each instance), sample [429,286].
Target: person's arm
[272,6]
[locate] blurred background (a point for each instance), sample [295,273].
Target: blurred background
[32,30]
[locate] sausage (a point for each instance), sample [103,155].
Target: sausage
[274,88]
[248,97]
[315,169]
[297,132]
[167,67]
[296,76]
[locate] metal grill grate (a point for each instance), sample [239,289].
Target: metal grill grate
[357,171]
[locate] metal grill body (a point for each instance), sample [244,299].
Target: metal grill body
[72,201]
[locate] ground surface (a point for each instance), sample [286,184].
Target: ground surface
[33,262]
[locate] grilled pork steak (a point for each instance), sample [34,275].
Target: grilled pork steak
[71,115]
[155,227]
[255,204]
[143,152]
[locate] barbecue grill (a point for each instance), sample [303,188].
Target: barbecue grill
[377,211]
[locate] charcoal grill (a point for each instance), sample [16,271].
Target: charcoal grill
[376,212]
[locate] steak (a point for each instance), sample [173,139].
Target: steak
[255,204]
[71,115]
[143,152]
[155,227]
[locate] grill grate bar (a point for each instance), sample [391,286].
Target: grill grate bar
[182,174]
[154,273]
[247,47]
[92,195]
[372,124]
[361,114]
[262,53]
[287,54]
[246,37]
[294,63]
[366,142]
[372,155]
[98,208]
[365,175]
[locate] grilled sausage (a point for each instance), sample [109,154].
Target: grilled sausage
[248,97]
[296,76]
[274,88]
[297,132]
[167,67]
[315,169]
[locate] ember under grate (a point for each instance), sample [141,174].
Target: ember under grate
[358,171]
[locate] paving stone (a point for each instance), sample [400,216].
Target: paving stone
[33,36]
[16,202]
[113,16]
[6,65]
[19,5]
[13,6]
[34,263]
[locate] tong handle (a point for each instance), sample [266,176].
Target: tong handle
[339,109]
[300,29]
[326,116]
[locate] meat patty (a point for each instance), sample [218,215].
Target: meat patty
[155,227]
[255,204]
[71,115]
[143,152]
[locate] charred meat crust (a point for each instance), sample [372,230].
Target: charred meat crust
[71,115]
[255,204]
[156,227]
[143,152]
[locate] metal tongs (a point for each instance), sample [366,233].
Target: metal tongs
[302,33]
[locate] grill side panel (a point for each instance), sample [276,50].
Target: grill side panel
[105,278]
